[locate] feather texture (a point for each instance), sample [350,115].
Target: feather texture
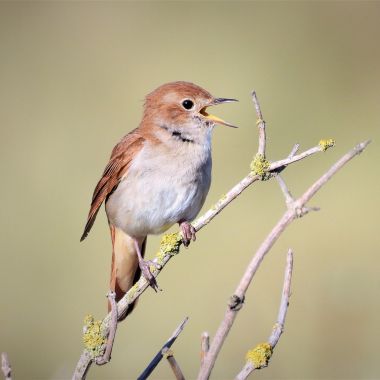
[121,158]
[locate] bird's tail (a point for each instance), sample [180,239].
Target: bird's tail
[125,270]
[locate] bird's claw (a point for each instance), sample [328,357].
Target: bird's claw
[147,273]
[188,233]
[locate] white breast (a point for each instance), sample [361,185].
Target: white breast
[164,185]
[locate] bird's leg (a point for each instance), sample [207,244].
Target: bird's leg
[188,233]
[145,268]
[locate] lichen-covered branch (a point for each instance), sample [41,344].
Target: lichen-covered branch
[251,178]
[112,330]
[289,216]
[259,356]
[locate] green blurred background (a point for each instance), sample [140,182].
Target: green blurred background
[73,76]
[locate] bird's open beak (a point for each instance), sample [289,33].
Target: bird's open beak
[213,118]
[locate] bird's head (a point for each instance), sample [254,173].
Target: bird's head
[182,106]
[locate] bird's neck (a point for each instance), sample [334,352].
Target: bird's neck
[183,137]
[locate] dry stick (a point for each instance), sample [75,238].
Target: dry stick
[287,194]
[279,326]
[260,124]
[5,366]
[153,364]
[297,209]
[174,365]
[205,345]
[112,330]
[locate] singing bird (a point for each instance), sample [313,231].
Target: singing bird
[158,175]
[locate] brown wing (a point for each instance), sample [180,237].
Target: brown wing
[120,160]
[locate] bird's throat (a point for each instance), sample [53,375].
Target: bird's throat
[177,134]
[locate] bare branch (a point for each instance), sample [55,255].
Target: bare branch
[260,124]
[238,297]
[244,183]
[279,327]
[153,364]
[294,150]
[5,366]
[174,365]
[285,191]
[257,361]
[112,330]
[205,345]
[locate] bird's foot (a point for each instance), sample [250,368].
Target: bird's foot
[188,233]
[145,266]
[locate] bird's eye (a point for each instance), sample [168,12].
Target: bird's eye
[187,104]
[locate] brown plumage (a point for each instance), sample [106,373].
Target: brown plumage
[121,158]
[158,174]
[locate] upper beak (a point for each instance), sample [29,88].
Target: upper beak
[214,118]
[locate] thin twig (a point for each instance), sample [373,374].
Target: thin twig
[6,366]
[294,150]
[287,194]
[203,220]
[285,191]
[153,364]
[279,326]
[205,345]
[237,299]
[112,330]
[260,124]
[174,365]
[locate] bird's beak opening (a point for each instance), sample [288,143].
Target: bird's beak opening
[214,118]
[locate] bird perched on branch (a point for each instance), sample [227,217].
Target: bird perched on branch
[158,175]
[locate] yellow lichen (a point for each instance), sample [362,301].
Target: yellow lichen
[259,121]
[326,143]
[160,257]
[169,245]
[260,166]
[94,337]
[260,355]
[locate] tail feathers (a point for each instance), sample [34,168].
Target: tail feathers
[125,270]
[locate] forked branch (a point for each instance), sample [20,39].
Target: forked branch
[258,357]
[295,210]
[171,243]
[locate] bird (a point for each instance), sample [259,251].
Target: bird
[158,175]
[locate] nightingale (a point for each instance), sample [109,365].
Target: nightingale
[159,174]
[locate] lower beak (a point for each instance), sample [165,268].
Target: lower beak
[214,118]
